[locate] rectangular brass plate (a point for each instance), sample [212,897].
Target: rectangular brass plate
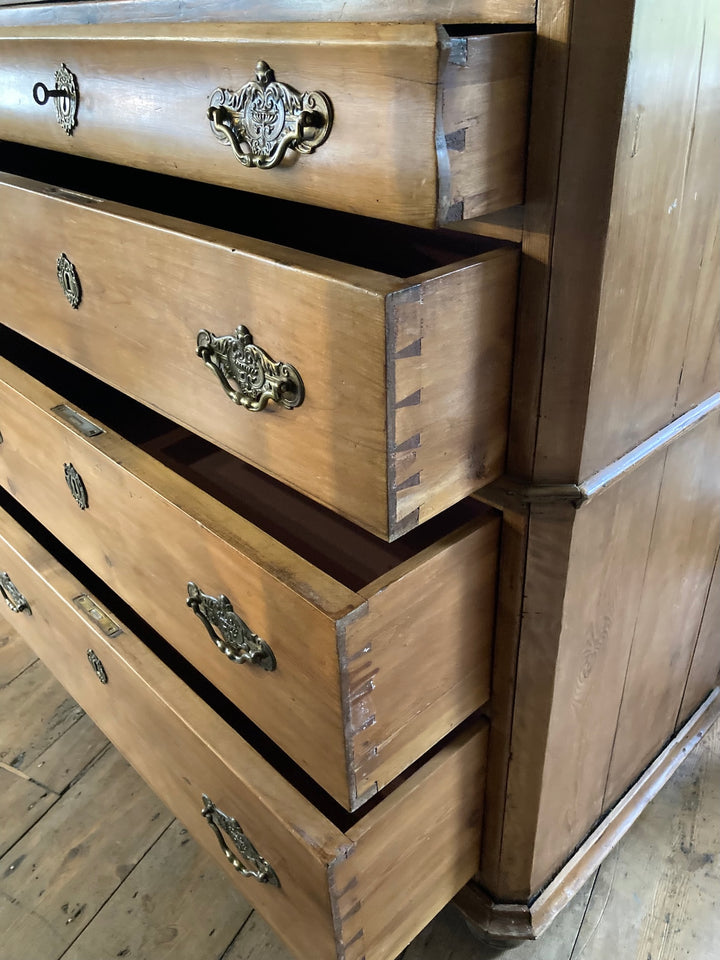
[77,420]
[98,616]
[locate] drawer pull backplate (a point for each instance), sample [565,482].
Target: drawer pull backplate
[221,823]
[65,94]
[69,281]
[12,596]
[249,376]
[237,641]
[264,119]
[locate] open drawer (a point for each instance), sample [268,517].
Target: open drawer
[384,397]
[334,887]
[376,651]
[401,122]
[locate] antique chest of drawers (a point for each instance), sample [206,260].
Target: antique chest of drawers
[358,430]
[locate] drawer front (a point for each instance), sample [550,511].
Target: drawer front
[325,890]
[385,434]
[409,125]
[358,687]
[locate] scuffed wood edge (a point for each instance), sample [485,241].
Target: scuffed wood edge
[356,702]
[346,906]
[527,921]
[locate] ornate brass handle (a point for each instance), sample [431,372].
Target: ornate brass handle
[65,95]
[260,869]
[237,642]
[264,119]
[12,596]
[257,378]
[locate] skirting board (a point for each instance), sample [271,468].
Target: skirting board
[526,921]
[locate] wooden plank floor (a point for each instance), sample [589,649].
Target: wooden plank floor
[94,867]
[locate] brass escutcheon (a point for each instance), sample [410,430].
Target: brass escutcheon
[264,119]
[65,95]
[220,822]
[69,281]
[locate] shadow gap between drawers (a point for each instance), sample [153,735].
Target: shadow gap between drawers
[259,741]
[344,551]
[389,248]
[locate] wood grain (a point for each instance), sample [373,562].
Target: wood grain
[24,803]
[326,318]
[658,352]
[683,548]
[77,849]
[192,751]
[295,607]
[149,917]
[48,712]
[440,446]
[409,11]
[367,70]
[15,656]
[705,666]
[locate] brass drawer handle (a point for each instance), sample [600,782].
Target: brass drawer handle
[69,281]
[12,596]
[66,97]
[219,822]
[264,119]
[237,642]
[248,375]
[97,665]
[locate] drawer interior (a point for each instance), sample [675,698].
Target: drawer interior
[370,881]
[340,549]
[339,816]
[389,248]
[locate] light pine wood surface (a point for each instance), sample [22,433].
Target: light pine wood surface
[98,889]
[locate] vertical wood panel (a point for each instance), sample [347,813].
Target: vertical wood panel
[657,350]
[611,540]
[682,556]
[705,665]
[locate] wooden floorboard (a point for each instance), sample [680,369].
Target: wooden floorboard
[93,866]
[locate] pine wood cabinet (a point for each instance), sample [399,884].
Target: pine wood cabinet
[365,487]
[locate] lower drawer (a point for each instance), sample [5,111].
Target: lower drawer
[333,885]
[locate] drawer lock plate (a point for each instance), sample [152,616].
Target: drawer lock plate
[76,486]
[222,824]
[69,281]
[236,640]
[65,95]
[248,375]
[264,119]
[12,596]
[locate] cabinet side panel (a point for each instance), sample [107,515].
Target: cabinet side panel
[705,665]
[682,556]
[657,351]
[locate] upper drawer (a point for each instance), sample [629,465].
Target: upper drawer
[400,122]
[376,651]
[341,888]
[405,374]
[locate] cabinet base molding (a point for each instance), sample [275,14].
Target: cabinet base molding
[498,921]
